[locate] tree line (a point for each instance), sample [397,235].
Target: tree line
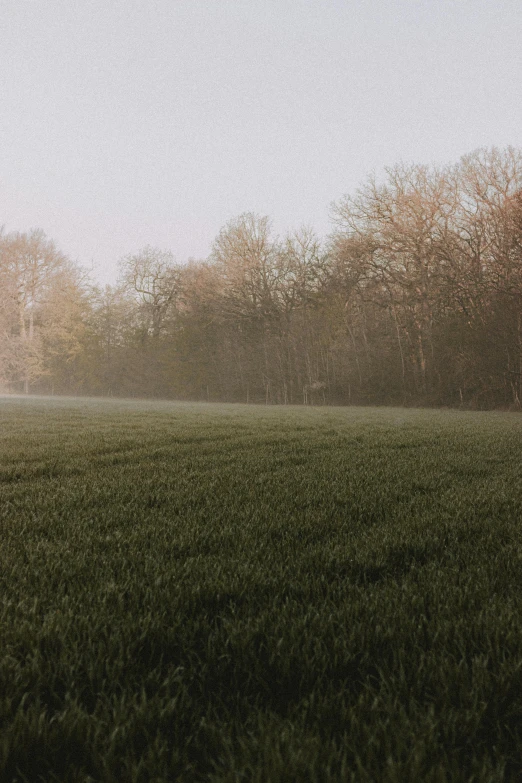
[415,298]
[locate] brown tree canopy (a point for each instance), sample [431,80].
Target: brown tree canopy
[414,298]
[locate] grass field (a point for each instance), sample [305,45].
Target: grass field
[232,593]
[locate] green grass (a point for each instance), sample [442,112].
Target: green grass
[233,593]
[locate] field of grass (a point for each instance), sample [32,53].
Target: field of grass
[233,593]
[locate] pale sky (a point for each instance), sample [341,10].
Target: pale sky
[132,122]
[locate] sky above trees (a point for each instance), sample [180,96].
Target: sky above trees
[128,123]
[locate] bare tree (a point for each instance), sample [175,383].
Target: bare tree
[399,226]
[154,278]
[246,255]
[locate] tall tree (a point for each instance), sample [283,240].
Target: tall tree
[31,263]
[153,279]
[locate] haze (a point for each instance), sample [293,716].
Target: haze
[132,123]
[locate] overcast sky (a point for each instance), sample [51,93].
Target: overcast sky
[134,122]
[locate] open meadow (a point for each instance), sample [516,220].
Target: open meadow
[199,592]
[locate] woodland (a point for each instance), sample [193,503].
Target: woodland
[415,298]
